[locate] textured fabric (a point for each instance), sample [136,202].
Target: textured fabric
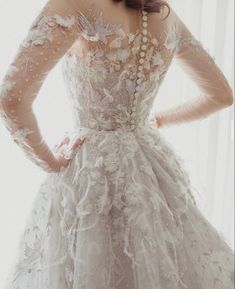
[122,215]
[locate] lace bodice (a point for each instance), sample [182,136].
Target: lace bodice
[118,68]
[112,70]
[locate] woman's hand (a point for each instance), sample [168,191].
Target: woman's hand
[156,119]
[64,152]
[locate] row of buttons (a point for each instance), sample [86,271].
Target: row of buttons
[140,67]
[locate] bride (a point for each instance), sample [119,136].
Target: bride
[116,210]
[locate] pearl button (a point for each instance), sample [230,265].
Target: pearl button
[145,32]
[141,61]
[145,18]
[140,67]
[143,47]
[145,39]
[139,74]
[145,24]
[142,53]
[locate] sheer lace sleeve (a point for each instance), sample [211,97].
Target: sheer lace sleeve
[51,34]
[216,93]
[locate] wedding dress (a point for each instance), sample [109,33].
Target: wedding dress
[122,215]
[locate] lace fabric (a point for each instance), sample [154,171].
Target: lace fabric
[113,57]
[123,214]
[49,37]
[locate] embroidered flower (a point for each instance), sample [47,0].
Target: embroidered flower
[43,27]
[5,88]
[190,41]
[111,162]
[172,40]
[155,41]
[21,134]
[65,22]
[95,55]
[117,42]
[122,54]
[98,74]
[157,59]
[131,37]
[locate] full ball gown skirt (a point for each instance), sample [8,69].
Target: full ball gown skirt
[121,216]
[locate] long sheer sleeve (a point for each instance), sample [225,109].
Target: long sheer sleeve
[51,34]
[216,92]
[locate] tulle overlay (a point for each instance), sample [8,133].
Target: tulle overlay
[121,216]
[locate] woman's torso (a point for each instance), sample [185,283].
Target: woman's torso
[116,66]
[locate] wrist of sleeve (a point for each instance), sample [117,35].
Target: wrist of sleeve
[198,108]
[47,160]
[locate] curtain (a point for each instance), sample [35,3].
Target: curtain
[205,146]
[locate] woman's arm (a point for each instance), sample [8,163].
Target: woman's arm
[51,34]
[216,93]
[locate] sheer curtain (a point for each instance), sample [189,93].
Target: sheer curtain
[205,146]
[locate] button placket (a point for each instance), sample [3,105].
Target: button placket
[140,67]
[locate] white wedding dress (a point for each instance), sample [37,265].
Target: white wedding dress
[122,215]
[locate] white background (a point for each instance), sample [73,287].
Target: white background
[206,146]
